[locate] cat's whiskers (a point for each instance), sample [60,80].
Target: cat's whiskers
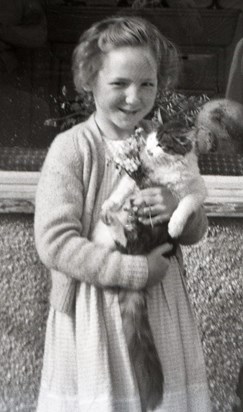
[150,218]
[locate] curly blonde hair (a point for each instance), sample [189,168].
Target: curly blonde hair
[123,31]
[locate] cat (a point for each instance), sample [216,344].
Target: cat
[168,158]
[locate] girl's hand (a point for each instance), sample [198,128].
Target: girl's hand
[154,205]
[158,264]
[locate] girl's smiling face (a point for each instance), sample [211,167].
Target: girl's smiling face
[124,90]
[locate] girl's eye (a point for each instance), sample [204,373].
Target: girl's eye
[148,84]
[118,84]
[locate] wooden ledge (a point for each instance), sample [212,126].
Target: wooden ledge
[225,195]
[17,193]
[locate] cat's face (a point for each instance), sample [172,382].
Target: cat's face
[169,139]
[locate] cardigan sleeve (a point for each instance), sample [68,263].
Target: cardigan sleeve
[60,242]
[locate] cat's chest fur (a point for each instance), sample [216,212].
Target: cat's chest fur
[173,171]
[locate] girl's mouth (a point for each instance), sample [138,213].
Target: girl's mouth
[129,112]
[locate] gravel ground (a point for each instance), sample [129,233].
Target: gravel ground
[213,279]
[215,283]
[24,285]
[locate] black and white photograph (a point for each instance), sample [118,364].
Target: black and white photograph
[121,205]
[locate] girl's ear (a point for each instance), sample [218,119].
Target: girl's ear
[157,119]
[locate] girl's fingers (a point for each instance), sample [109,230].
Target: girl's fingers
[148,206]
[147,196]
[152,196]
[155,220]
[165,248]
[152,210]
[147,200]
[154,205]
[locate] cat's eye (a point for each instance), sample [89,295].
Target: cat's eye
[183,139]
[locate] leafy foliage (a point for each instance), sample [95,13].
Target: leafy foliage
[171,105]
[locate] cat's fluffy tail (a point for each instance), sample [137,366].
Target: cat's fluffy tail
[141,347]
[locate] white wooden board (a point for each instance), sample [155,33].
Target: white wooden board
[225,193]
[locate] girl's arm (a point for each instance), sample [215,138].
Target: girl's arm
[60,224]
[60,242]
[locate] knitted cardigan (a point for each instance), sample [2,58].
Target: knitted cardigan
[64,219]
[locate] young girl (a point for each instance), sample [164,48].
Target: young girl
[121,60]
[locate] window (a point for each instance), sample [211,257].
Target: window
[34,77]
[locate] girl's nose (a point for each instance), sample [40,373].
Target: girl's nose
[132,95]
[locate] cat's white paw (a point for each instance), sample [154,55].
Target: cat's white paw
[107,217]
[175,226]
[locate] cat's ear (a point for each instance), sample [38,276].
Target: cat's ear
[157,119]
